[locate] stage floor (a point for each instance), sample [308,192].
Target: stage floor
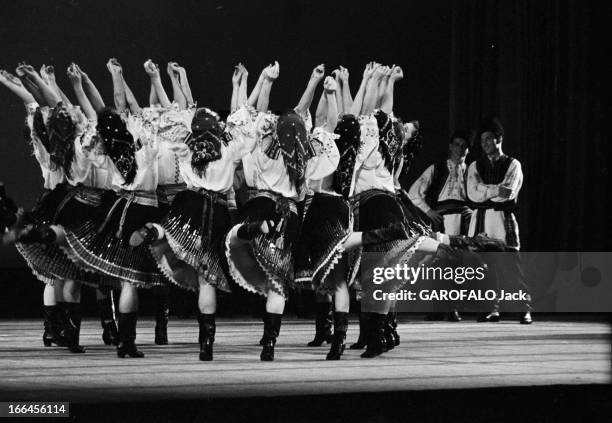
[432,356]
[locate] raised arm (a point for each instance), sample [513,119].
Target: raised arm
[236,76]
[242,88]
[387,101]
[330,86]
[49,95]
[252,101]
[347,99]
[130,98]
[118,87]
[29,85]
[75,78]
[321,113]
[303,105]
[185,86]
[371,93]
[271,73]
[358,101]
[153,100]
[92,92]
[47,73]
[16,87]
[177,91]
[382,85]
[338,91]
[153,71]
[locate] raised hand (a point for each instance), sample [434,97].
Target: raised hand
[26,70]
[8,78]
[151,69]
[172,69]
[397,73]
[74,76]
[113,66]
[243,70]
[318,72]
[84,76]
[330,85]
[272,71]
[344,74]
[379,71]
[369,70]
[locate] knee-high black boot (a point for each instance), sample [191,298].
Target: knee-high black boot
[363,333]
[376,338]
[53,325]
[127,336]
[338,343]
[161,317]
[393,319]
[73,327]
[388,330]
[323,325]
[110,335]
[272,324]
[206,339]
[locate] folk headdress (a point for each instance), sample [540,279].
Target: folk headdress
[118,144]
[348,145]
[57,136]
[205,139]
[390,145]
[291,140]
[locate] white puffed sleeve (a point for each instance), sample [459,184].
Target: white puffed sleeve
[327,156]
[241,128]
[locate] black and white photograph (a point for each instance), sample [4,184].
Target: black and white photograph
[305,211]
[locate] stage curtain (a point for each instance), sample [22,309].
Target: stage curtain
[542,67]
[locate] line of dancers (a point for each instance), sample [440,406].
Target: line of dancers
[144,197]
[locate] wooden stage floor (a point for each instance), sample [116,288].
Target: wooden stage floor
[433,356]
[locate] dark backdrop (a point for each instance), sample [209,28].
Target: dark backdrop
[542,66]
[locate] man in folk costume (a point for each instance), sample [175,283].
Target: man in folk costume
[440,193]
[493,185]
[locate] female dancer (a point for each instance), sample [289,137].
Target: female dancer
[198,219]
[275,174]
[65,137]
[101,244]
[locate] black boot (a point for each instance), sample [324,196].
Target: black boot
[73,328]
[127,336]
[64,332]
[391,335]
[338,343]
[53,325]
[272,324]
[161,322]
[206,339]
[396,337]
[107,320]
[363,333]
[323,324]
[376,339]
